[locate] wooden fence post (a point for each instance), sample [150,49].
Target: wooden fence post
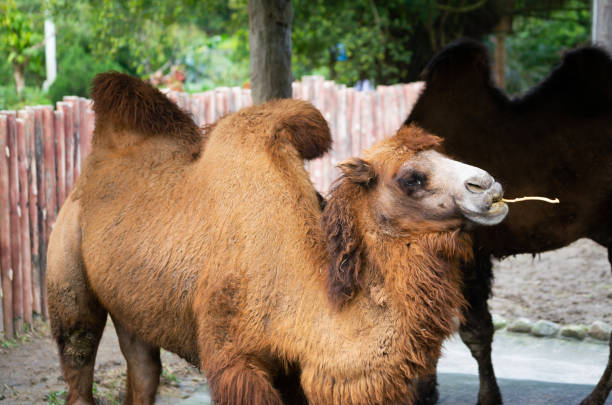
[89,128]
[50,193]
[85,140]
[5,231]
[29,116]
[15,224]
[210,107]
[76,135]
[60,155]
[26,254]
[41,204]
[67,108]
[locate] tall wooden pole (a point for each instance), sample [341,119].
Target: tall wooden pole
[270,49]
[602,23]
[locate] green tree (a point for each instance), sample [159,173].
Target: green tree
[20,37]
[536,43]
[392,41]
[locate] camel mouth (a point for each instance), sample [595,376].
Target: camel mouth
[496,213]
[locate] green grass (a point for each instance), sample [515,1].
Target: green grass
[56,397]
[170,376]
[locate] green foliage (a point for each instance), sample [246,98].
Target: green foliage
[76,69]
[21,37]
[320,26]
[9,100]
[537,44]
[18,37]
[384,41]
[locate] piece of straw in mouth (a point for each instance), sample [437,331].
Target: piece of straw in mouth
[548,200]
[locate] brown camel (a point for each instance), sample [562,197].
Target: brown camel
[556,140]
[215,248]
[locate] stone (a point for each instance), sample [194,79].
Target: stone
[600,330]
[520,325]
[544,328]
[499,322]
[574,331]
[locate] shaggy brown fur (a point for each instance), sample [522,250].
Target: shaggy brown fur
[556,140]
[126,104]
[223,261]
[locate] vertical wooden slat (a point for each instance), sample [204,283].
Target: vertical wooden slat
[49,171]
[296,90]
[60,156]
[69,144]
[379,131]
[49,191]
[85,141]
[237,98]
[26,258]
[90,125]
[393,111]
[6,270]
[356,123]
[41,205]
[15,212]
[400,98]
[342,140]
[196,109]
[211,108]
[367,120]
[28,116]
[76,128]
[247,100]
[222,101]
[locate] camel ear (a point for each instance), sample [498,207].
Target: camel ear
[344,245]
[358,171]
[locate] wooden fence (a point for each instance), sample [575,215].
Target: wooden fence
[43,149]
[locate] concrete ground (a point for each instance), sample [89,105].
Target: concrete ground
[530,370]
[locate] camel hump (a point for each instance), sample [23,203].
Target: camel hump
[126,103]
[302,125]
[462,57]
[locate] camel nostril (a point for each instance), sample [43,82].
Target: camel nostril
[474,188]
[478,184]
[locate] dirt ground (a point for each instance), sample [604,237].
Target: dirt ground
[570,285]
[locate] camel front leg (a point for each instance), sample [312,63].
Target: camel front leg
[427,390]
[238,380]
[477,329]
[477,334]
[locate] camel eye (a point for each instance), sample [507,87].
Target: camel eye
[412,181]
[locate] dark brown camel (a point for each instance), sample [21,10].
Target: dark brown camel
[555,140]
[218,251]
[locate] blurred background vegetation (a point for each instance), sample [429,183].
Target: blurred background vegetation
[206,41]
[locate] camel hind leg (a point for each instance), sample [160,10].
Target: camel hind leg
[604,386]
[76,316]
[143,367]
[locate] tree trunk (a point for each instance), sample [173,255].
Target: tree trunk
[501,31]
[19,76]
[602,20]
[270,49]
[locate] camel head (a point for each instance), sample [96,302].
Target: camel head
[412,186]
[402,189]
